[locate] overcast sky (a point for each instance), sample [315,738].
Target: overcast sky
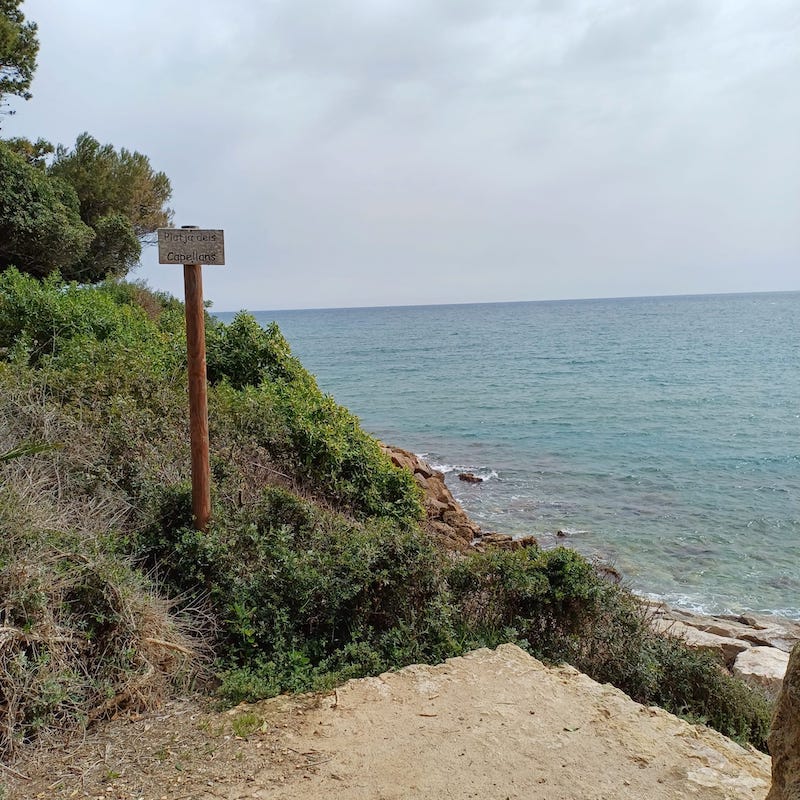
[387,152]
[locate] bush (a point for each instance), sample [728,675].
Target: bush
[264,397]
[82,633]
[75,327]
[556,604]
[300,592]
[105,352]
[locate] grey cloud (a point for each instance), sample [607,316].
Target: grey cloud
[632,32]
[384,152]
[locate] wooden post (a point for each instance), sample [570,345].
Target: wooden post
[198,393]
[193,247]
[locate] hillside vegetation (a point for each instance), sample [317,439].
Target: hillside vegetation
[316,567]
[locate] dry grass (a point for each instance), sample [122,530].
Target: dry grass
[83,635]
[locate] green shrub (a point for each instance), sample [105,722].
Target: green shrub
[72,328]
[245,354]
[300,593]
[114,349]
[556,604]
[264,397]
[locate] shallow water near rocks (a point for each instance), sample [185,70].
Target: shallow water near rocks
[662,434]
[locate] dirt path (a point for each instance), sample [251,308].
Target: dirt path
[491,725]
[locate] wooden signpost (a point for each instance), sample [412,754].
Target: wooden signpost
[194,247]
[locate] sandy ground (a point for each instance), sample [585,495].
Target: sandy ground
[495,725]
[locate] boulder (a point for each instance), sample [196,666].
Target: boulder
[763,667]
[727,648]
[469,477]
[784,737]
[770,631]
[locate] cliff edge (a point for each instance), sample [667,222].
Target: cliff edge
[492,724]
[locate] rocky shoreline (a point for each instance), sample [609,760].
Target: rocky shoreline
[755,647]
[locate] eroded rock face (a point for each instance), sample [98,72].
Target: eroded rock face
[726,647]
[755,647]
[763,667]
[784,738]
[446,520]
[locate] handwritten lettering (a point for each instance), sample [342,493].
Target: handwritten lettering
[190,246]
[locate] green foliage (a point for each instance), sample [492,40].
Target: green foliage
[295,588]
[77,329]
[114,251]
[276,404]
[109,182]
[26,449]
[245,354]
[246,723]
[40,227]
[120,197]
[18,50]
[313,570]
[85,215]
[35,153]
[562,610]
[107,351]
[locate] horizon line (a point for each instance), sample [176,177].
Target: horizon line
[212,310]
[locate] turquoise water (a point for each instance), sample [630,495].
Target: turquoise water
[661,434]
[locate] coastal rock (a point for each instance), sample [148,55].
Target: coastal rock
[756,629]
[727,648]
[492,724]
[753,646]
[763,667]
[445,519]
[469,477]
[504,541]
[784,737]
[770,631]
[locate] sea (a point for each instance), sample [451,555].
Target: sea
[658,434]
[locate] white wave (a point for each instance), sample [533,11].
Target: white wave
[691,603]
[487,476]
[483,472]
[571,531]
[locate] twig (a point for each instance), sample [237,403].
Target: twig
[169,645]
[15,773]
[122,697]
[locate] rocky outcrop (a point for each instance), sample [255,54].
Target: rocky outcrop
[751,629]
[726,647]
[503,541]
[445,518]
[492,724]
[469,477]
[753,646]
[784,738]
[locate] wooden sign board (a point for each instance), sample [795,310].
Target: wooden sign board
[191,246]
